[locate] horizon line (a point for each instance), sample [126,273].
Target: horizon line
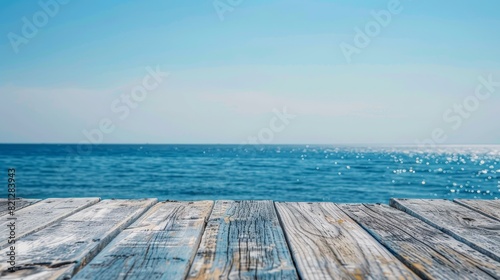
[247,144]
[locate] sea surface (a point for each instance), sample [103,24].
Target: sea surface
[276,172]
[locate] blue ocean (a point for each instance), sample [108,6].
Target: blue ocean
[275,172]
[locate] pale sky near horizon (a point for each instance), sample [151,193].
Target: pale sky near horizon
[227,78]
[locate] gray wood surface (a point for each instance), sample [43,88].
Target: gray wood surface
[490,208]
[159,245]
[327,244]
[430,253]
[243,240]
[142,239]
[20,204]
[476,230]
[58,251]
[42,214]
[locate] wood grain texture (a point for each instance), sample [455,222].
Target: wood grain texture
[470,227]
[60,250]
[430,253]
[327,244]
[159,245]
[43,214]
[490,208]
[20,204]
[243,240]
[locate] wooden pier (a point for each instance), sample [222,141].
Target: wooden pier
[89,238]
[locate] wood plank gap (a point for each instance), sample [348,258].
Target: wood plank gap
[20,203]
[62,249]
[470,227]
[429,252]
[161,244]
[243,240]
[327,244]
[288,244]
[489,208]
[43,214]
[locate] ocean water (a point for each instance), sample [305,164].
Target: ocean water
[276,172]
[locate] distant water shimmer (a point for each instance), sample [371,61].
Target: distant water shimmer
[276,172]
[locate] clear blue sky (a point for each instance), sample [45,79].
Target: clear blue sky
[227,76]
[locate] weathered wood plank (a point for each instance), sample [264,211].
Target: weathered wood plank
[159,245]
[474,229]
[429,252]
[243,240]
[43,214]
[490,208]
[327,244]
[20,203]
[60,250]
